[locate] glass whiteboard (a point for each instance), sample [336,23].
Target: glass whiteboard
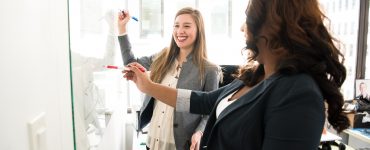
[96,89]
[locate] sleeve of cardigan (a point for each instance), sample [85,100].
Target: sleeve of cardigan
[212,81]
[128,56]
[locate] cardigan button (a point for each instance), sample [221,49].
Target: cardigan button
[175,125]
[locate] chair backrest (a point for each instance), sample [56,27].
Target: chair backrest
[227,71]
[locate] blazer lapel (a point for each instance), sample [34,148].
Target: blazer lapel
[233,86]
[249,97]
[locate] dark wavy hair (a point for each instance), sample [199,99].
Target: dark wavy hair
[297,27]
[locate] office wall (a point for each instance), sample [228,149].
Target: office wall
[34,73]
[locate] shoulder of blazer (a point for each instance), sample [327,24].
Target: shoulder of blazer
[300,79]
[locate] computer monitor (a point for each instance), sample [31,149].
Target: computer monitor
[362,86]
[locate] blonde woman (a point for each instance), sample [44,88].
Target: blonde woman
[183,65]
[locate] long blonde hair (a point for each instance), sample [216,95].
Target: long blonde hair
[160,65]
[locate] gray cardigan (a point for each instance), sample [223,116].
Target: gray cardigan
[185,124]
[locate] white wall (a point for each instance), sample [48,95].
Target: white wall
[34,72]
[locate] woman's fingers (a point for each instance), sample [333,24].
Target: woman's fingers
[134,64]
[126,13]
[134,69]
[128,75]
[195,140]
[137,73]
[194,146]
[121,15]
[137,65]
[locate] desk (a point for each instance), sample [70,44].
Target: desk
[337,148]
[328,136]
[356,138]
[359,134]
[333,140]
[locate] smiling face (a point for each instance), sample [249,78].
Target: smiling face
[184,31]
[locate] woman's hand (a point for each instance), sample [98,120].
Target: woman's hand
[138,74]
[123,19]
[195,140]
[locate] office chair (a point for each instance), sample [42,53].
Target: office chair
[327,145]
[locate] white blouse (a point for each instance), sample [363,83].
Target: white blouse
[160,133]
[224,103]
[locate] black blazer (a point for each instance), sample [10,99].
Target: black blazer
[283,112]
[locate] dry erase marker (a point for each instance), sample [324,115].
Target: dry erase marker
[113,67]
[121,68]
[134,18]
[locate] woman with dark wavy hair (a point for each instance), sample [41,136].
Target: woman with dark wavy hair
[277,103]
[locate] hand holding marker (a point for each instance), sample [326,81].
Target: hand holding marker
[122,68]
[132,17]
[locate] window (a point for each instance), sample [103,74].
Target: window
[151,19]
[341,19]
[339,28]
[186,3]
[367,51]
[224,41]
[354,3]
[333,6]
[352,27]
[219,18]
[367,66]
